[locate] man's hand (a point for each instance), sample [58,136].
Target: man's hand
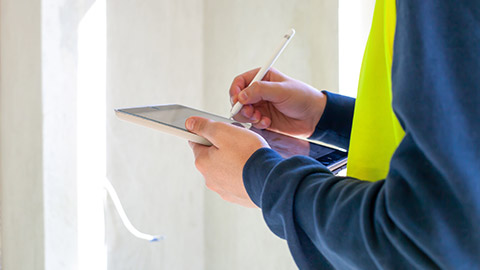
[222,163]
[278,103]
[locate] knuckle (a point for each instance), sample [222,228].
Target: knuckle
[199,164]
[256,88]
[219,129]
[211,186]
[227,198]
[256,85]
[237,78]
[199,125]
[202,124]
[216,128]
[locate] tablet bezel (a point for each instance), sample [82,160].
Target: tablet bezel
[129,115]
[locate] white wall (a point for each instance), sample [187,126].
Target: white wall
[21,135]
[154,56]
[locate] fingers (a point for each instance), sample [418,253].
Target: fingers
[203,127]
[218,133]
[241,82]
[275,92]
[248,114]
[198,149]
[271,89]
[199,152]
[264,123]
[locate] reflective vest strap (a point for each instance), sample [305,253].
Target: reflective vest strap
[376,132]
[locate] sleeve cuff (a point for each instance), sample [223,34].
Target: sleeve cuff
[256,171]
[335,125]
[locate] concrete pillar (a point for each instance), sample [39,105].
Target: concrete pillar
[21,133]
[38,61]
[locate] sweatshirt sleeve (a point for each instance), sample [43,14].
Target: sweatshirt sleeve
[426,213]
[335,125]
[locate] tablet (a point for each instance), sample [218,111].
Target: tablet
[171,119]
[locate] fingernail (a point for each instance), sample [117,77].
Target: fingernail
[231,100]
[243,96]
[263,122]
[190,124]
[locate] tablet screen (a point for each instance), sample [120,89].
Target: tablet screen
[173,115]
[287,146]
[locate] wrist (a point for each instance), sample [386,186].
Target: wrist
[319,102]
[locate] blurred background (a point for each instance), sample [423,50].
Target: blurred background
[66,64]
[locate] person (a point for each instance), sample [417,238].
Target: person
[425,213]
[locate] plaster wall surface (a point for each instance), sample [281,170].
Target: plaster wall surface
[21,135]
[154,57]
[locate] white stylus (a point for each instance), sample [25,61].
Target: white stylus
[261,73]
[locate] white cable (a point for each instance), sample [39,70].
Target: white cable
[126,222]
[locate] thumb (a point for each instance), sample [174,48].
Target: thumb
[263,90]
[202,127]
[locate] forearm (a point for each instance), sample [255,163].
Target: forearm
[394,223]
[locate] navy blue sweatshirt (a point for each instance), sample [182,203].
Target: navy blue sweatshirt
[426,213]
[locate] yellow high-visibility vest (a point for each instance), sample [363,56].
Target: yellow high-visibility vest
[376,132]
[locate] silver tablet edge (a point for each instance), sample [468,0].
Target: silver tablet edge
[161,127]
